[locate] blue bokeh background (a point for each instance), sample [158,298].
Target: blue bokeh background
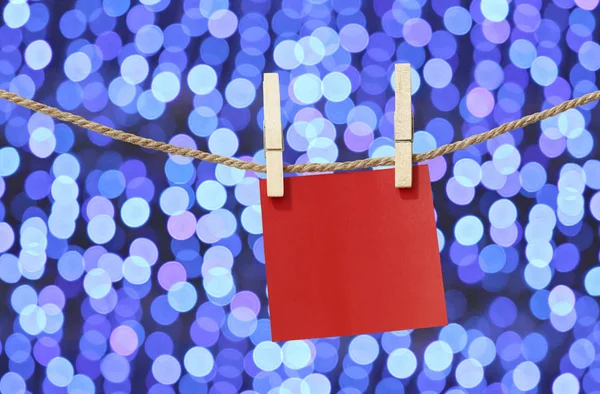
[125,270]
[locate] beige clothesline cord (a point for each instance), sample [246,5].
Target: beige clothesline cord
[314,167]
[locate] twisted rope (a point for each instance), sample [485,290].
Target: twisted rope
[313,167]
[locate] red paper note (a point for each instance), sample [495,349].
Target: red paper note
[350,254]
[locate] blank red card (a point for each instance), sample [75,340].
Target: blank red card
[350,254]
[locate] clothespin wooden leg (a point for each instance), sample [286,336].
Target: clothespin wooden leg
[273,135]
[403,127]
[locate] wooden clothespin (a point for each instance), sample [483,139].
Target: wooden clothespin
[403,127]
[273,136]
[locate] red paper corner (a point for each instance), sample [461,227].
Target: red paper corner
[348,254]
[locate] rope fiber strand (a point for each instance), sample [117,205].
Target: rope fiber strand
[299,168]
